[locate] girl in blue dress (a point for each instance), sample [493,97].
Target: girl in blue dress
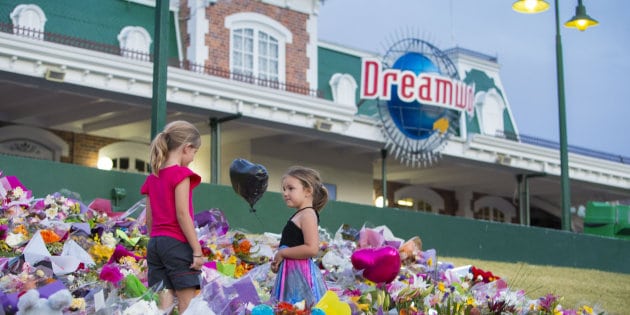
[299,279]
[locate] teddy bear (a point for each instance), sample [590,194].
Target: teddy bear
[30,303]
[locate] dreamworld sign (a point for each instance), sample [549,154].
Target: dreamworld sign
[423,88]
[419,96]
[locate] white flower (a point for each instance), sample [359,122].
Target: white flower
[126,272]
[15,239]
[108,239]
[51,212]
[18,192]
[49,200]
[301,305]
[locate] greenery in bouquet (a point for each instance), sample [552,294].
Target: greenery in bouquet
[243,250]
[233,254]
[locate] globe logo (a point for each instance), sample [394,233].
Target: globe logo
[420,99]
[414,119]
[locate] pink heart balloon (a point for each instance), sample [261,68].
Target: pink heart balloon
[378,264]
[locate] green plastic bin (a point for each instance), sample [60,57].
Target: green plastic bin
[608,220]
[622,224]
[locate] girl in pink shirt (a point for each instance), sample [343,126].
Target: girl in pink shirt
[174,254]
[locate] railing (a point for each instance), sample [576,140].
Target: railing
[555,145]
[139,55]
[247,78]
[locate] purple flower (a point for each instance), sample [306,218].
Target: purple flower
[121,252]
[547,302]
[3,231]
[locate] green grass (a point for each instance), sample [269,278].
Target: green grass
[610,291]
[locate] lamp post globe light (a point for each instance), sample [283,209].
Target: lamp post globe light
[581,21]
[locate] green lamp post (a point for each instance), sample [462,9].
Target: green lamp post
[581,21]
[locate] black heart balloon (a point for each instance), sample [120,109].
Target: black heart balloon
[249,180]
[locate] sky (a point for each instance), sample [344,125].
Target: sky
[596,61]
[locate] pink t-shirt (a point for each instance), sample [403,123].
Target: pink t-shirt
[161,193]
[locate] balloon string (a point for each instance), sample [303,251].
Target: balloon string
[252,210]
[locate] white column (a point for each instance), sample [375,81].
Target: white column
[464,201]
[198,27]
[311,51]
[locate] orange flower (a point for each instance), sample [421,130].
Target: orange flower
[49,236]
[243,247]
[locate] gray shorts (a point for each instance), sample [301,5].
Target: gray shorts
[169,261]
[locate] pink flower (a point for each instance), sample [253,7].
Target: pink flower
[111,273]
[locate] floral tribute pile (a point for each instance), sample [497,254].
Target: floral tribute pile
[58,243]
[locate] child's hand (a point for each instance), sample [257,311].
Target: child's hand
[275,263]
[197,262]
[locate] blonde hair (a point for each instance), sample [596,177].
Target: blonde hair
[310,179]
[175,134]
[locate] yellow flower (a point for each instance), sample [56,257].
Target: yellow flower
[20,229]
[441,287]
[232,260]
[101,253]
[365,307]
[141,251]
[470,301]
[78,304]
[370,283]
[240,271]
[587,309]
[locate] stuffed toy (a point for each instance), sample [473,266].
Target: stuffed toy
[31,304]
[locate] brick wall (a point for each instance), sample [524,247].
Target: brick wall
[83,148]
[218,38]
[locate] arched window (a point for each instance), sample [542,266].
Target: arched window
[257,46]
[494,209]
[491,113]
[135,42]
[419,198]
[344,89]
[28,20]
[125,156]
[32,142]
